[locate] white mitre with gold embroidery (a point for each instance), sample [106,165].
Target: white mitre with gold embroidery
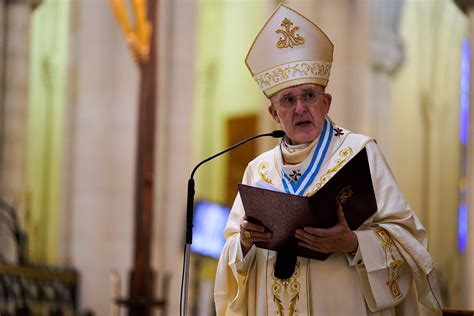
[289,50]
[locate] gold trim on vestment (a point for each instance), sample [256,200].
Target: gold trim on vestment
[393,264]
[263,173]
[286,293]
[345,154]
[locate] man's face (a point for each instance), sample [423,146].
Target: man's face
[301,111]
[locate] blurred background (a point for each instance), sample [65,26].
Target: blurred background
[106,106]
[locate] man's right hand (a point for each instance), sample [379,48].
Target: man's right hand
[251,233]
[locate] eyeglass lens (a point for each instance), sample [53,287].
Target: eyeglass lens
[308,97]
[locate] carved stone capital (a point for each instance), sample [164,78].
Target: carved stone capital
[386,42]
[388,52]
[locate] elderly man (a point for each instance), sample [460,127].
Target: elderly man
[382,268]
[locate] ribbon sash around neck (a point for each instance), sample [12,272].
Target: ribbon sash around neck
[300,186]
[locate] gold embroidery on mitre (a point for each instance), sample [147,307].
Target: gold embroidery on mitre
[290,37]
[291,71]
[286,293]
[344,155]
[393,264]
[262,172]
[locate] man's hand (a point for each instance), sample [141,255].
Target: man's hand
[251,233]
[339,238]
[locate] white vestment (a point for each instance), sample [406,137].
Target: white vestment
[390,274]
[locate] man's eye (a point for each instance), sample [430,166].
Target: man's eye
[310,94]
[309,97]
[289,99]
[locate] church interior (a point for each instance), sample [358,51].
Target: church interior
[106,107]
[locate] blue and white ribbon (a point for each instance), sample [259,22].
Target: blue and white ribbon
[300,186]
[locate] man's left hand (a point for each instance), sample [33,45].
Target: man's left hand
[339,238]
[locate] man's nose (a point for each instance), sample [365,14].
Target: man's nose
[300,107]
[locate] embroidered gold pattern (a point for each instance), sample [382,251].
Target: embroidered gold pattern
[286,293]
[290,37]
[272,77]
[344,155]
[262,172]
[393,264]
[344,195]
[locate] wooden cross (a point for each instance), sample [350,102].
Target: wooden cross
[141,39]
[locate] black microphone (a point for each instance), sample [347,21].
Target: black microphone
[190,214]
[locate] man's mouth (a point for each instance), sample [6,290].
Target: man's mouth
[303,123]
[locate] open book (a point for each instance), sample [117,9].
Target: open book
[282,213]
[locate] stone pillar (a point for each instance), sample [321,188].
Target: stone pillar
[14,44]
[173,161]
[2,81]
[387,56]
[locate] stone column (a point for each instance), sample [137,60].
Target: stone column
[173,148]
[387,56]
[2,81]
[5,242]
[14,44]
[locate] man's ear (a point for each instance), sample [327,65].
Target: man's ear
[327,102]
[273,112]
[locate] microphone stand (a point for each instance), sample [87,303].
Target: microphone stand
[190,213]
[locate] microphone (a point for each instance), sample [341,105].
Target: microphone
[274,134]
[190,213]
[191,191]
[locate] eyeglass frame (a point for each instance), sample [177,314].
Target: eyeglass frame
[300,97]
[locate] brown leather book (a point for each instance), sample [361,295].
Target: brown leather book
[282,213]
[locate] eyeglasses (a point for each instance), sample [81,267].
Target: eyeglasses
[308,97]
